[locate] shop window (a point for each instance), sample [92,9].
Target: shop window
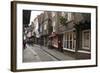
[53,14]
[86,39]
[69,40]
[69,16]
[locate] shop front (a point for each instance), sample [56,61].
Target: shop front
[69,41]
[56,40]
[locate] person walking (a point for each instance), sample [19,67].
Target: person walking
[60,46]
[24,42]
[49,44]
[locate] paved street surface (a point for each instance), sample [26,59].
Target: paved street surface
[38,53]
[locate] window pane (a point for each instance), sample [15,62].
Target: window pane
[70,36]
[86,39]
[69,16]
[67,36]
[67,44]
[70,44]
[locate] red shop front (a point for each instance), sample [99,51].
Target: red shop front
[56,40]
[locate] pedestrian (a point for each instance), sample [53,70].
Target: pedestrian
[24,42]
[60,46]
[49,44]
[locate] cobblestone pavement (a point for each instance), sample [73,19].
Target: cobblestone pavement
[38,53]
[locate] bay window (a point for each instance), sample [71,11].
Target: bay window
[69,41]
[86,39]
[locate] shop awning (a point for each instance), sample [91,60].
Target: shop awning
[53,34]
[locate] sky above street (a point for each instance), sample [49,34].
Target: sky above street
[34,15]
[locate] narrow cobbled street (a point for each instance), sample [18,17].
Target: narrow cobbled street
[37,53]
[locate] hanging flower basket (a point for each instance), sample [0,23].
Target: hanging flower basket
[63,20]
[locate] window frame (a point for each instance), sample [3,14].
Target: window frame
[83,47]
